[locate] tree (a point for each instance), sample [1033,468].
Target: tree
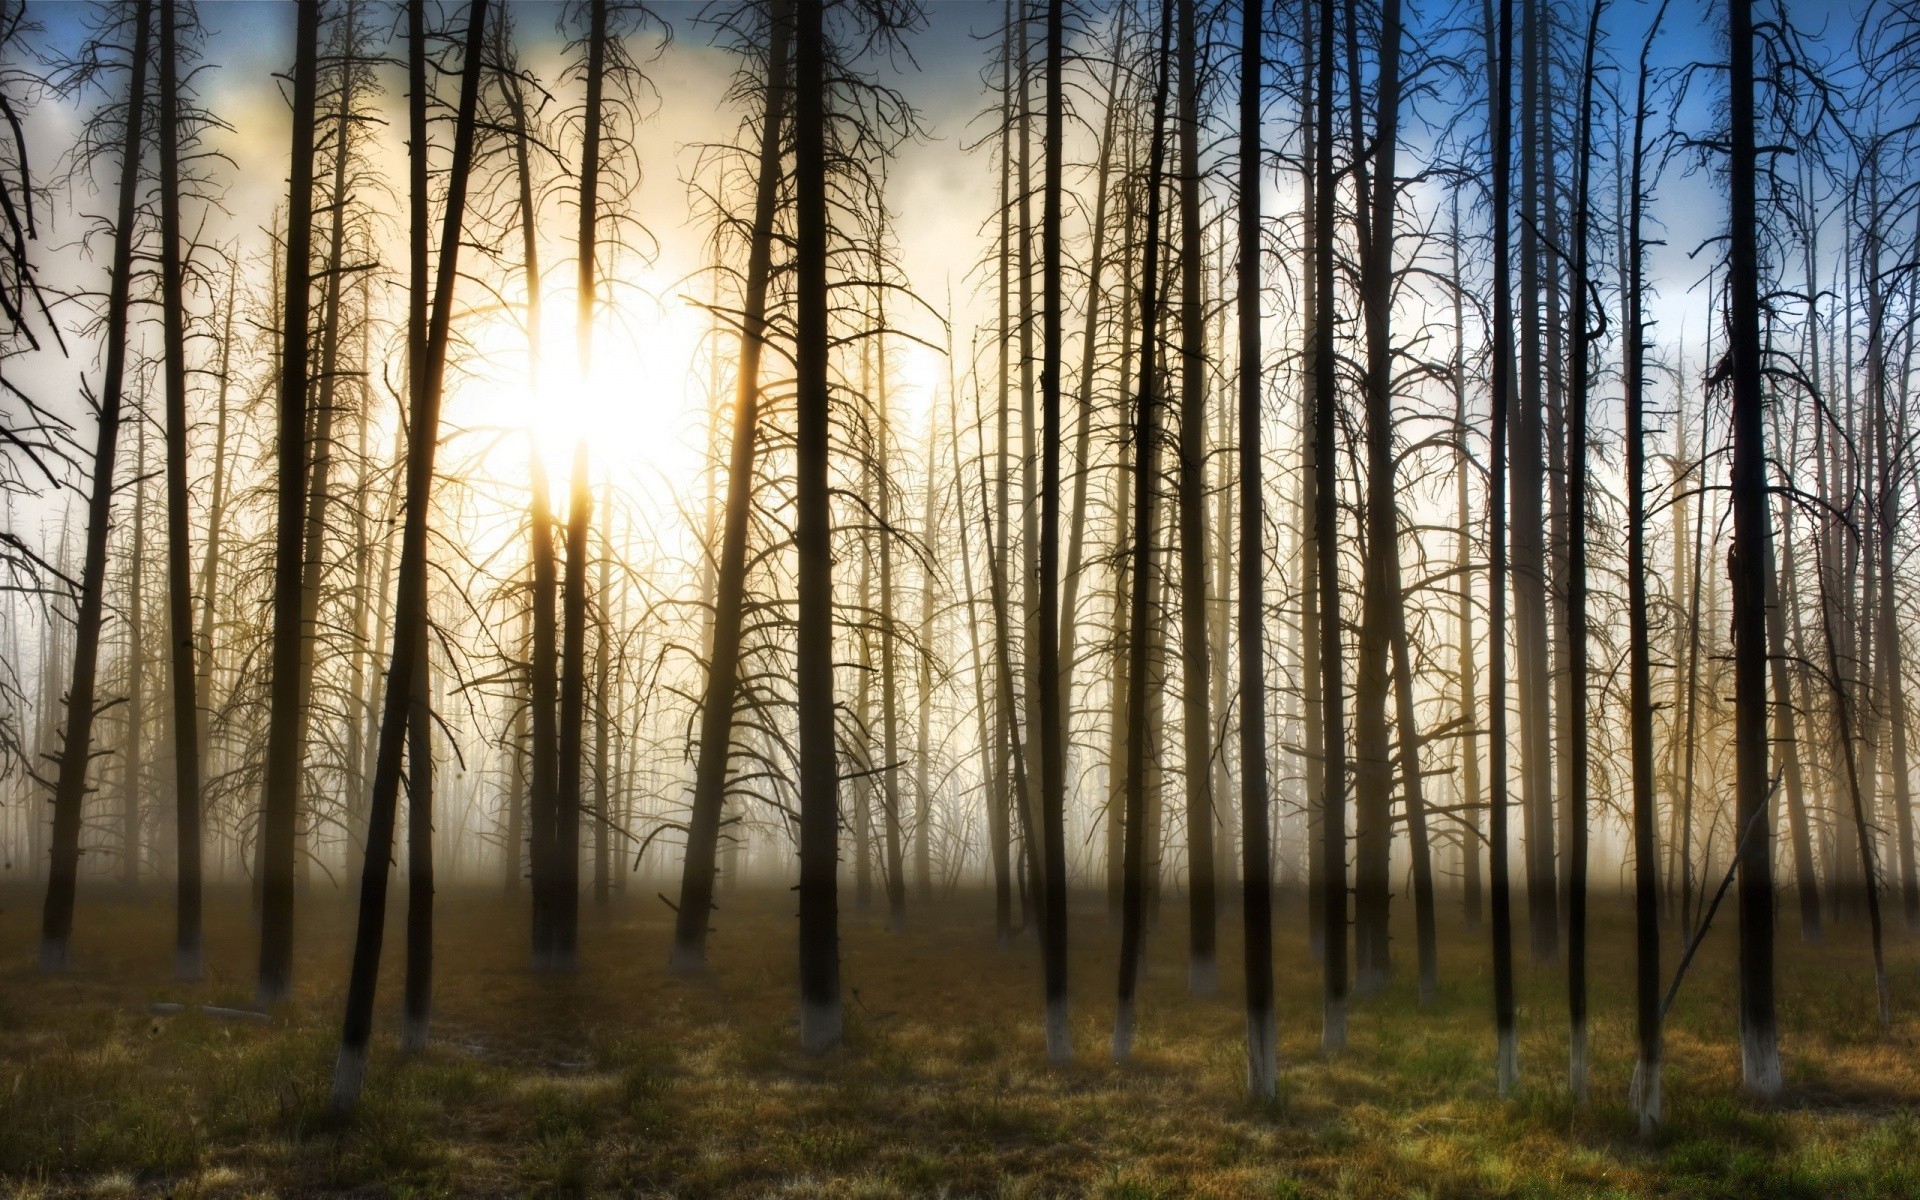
[1507,1058]
[723,655]
[76,749]
[404,675]
[819,772]
[1759,1041]
[1256,899]
[1146,449]
[1053,765]
[279,806]
[1646,906]
[1322,368]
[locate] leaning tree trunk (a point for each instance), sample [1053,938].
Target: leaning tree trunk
[404,677]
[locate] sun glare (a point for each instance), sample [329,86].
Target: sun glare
[637,402]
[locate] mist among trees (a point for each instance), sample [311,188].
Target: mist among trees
[1168,597]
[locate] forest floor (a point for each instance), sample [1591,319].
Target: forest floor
[623,1079]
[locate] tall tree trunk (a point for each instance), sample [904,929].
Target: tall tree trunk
[1579,339]
[723,659]
[1759,1045]
[319,492]
[573,681]
[1203,970]
[1646,907]
[1256,892]
[1052,724]
[279,810]
[997,532]
[1146,448]
[1323,368]
[1507,1056]
[427,368]
[813,537]
[1529,551]
[1372,781]
[1313,731]
[180,632]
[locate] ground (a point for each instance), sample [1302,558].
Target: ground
[623,1079]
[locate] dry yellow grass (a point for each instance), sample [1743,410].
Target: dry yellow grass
[623,1079]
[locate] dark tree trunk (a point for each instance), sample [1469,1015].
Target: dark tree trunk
[1529,550]
[1507,1057]
[1579,341]
[570,796]
[1146,448]
[279,813]
[1256,893]
[813,539]
[1759,1044]
[427,368]
[416,1017]
[1203,970]
[180,633]
[1323,369]
[1646,876]
[1052,726]
[722,661]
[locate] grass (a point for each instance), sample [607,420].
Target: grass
[623,1079]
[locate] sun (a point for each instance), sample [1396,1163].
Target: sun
[638,403]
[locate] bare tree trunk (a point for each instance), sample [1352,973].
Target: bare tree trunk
[1646,907]
[1323,368]
[279,812]
[1576,750]
[1256,893]
[1759,1046]
[180,633]
[1203,970]
[820,1018]
[1314,757]
[1507,1056]
[1529,551]
[723,660]
[427,367]
[1052,723]
[1146,444]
